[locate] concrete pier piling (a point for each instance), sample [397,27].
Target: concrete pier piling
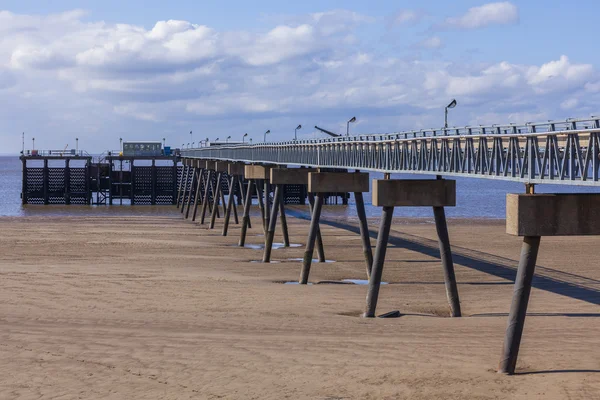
[533,216]
[390,193]
[198,196]
[327,182]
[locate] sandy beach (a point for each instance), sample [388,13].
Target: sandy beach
[162,308]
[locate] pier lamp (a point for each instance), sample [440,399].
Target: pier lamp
[351,120]
[227,140]
[193,143]
[163,142]
[206,142]
[76,145]
[191,136]
[296,132]
[266,133]
[32,143]
[451,105]
[188,145]
[121,144]
[216,140]
[244,138]
[250,140]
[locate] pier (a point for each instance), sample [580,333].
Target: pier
[560,152]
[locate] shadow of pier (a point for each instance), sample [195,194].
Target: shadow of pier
[547,279]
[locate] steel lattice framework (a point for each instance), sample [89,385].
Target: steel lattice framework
[565,152]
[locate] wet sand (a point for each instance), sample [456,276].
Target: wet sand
[158,307]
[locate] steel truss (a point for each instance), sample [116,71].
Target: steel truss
[552,152]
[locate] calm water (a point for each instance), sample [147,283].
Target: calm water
[475,198]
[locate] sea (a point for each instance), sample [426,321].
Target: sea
[475,198]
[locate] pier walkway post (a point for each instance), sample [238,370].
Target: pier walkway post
[320,183]
[533,216]
[390,193]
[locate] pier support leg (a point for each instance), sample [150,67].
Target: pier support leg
[198,195]
[205,201]
[267,203]
[230,205]
[284,225]
[222,196]
[320,248]
[185,186]
[246,217]
[241,183]
[183,170]
[215,202]
[272,225]
[312,237]
[191,192]
[447,264]
[518,308]
[232,189]
[261,205]
[364,231]
[379,260]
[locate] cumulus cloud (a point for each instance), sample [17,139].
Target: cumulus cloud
[85,78]
[499,13]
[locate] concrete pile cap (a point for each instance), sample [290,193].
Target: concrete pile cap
[290,176]
[236,169]
[553,214]
[338,182]
[414,192]
[256,171]
[221,166]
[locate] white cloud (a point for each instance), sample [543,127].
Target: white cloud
[83,78]
[499,13]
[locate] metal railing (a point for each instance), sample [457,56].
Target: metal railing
[558,152]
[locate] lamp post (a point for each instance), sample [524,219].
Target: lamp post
[244,138]
[23,140]
[206,142]
[121,145]
[163,142]
[76,145]
[250,140]
[296,132]
[351,120]
[188,145]
[193,143]
[451,105]
[266,133]
[191,136]
[33,143]
[227,140]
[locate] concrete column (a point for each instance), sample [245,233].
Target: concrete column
[284,225]
[246,217]
[24,199]
[320,247]
[68,182]
[518,308]
[364,231]
[272,223]
[378,261]
[312,236]
[195,177]
[230,205]
[261,205]
[206,199]
[198,192]
[215,201]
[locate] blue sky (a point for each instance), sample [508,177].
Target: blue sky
[100,70]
